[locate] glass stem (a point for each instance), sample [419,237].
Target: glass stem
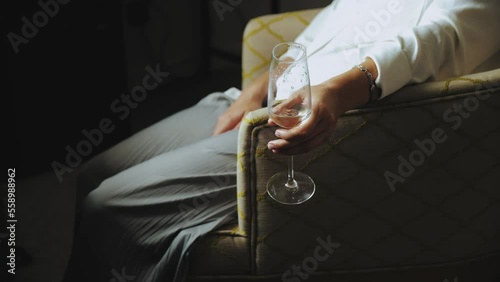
[291,183]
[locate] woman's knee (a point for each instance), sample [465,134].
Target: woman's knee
[90,175]
[96,204]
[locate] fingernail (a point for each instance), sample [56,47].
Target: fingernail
[278,133]
[271,146]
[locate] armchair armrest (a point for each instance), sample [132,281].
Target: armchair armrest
[412,175]
[261,34]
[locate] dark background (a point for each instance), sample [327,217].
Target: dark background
[90,52]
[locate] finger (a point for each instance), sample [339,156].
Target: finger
[312,143]
[284,144]
[224,123]
[315,139]
[295,98]
[306,145]
[287,103]
[303,131]
[237,125]
[288,148]
[217,129]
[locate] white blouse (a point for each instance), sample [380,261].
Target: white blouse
[409,41]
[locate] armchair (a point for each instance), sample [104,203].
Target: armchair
[407,189]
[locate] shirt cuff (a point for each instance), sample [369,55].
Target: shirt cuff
[394,71]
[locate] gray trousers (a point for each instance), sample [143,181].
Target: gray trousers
[149,198]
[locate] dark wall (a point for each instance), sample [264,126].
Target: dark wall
[62,77]
[68,62]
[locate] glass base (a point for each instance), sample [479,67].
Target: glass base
[279,190]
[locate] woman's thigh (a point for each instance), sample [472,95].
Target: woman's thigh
[155,200]
[175,172]
[147,216]
[183,128]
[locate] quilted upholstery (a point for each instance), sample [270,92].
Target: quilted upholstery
[446,210]
[439,222]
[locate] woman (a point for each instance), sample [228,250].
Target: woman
[138,219]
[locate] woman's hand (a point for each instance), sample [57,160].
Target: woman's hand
[315,130]
[329,100]
[250,99]
[231,118]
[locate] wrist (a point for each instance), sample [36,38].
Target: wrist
[352,88]
[348,90]
[370,71]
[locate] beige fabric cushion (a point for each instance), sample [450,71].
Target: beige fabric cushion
[263,33]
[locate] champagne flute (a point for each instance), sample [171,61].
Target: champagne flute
[289,104]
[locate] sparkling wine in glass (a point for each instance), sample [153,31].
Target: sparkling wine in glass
[289,104]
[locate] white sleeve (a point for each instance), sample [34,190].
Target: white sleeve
[452,38]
